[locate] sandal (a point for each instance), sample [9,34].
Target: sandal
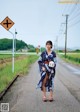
[51,99]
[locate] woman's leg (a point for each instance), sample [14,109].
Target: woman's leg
[44,86]
[51,94]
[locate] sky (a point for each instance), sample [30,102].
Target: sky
[37,21]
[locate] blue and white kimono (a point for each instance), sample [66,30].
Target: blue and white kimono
[51,71]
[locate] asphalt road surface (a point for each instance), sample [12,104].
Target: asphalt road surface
[23,96]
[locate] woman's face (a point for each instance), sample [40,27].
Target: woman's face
[48,46]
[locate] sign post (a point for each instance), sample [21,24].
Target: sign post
[15,40]
[12,53]
[7,23]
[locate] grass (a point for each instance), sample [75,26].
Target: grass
[73,58]
[21,67]
[3,56]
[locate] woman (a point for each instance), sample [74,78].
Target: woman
[47,64]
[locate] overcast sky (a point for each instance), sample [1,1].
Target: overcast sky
[37,21]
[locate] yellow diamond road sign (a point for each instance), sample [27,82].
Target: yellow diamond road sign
[7,23]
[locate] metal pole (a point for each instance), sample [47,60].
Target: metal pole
[12,53]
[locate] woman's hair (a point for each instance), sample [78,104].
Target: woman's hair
[49,42]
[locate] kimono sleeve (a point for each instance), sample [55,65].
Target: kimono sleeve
[54,57]
[40,61]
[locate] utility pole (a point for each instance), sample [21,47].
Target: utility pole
[66,33]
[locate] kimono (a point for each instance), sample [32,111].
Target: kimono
[50,70]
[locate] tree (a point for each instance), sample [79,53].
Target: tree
[6,44]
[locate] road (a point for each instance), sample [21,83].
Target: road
[23,96]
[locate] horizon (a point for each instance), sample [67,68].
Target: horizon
[59,48]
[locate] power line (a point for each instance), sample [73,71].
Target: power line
[66,8]
[74,24]
[61,29]
[77,15]
[73,9]
[71,17]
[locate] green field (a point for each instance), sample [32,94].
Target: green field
[3,56]
[21,67]
[71,57]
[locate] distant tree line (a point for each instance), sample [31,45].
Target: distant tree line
[6,44]
[73,51]
[31,48]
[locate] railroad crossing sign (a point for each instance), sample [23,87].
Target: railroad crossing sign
[7,23]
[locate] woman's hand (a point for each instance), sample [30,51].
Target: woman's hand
[43,68]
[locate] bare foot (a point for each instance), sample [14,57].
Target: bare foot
[44,99]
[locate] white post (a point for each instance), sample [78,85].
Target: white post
[13,56]
[12,53]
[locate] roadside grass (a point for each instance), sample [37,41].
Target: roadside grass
[3,56]
[21,67]
[73,58]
